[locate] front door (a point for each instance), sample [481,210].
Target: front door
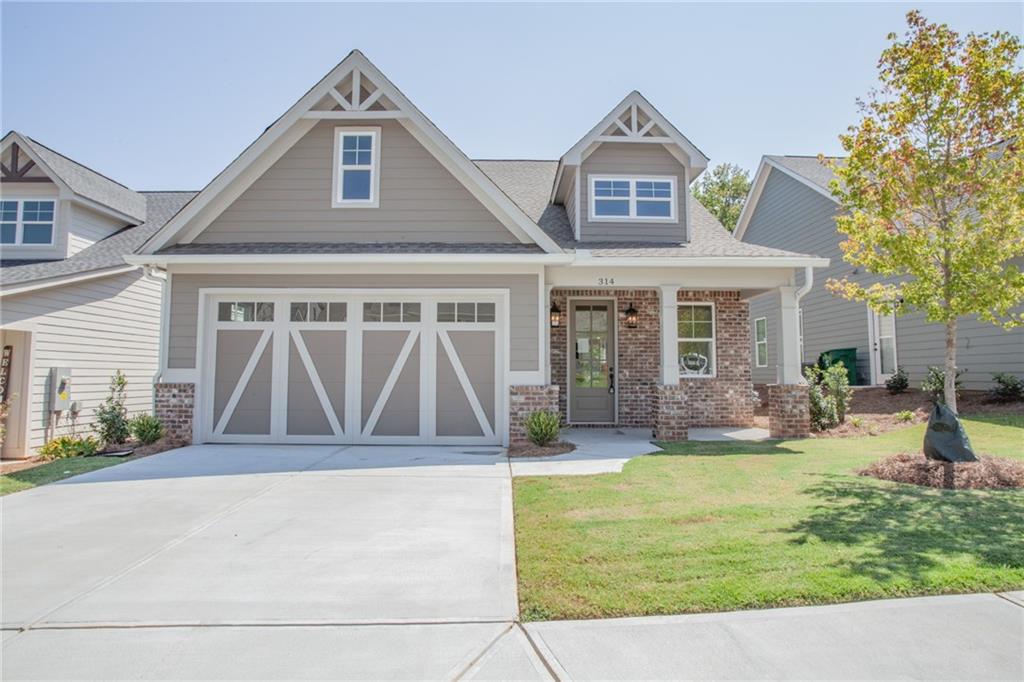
[883,346]
[592,348]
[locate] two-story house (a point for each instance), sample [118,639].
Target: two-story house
[72,311]
[353,277]
[790,207]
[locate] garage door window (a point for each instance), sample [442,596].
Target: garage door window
[465,312]
[245,311]
[391,311]
[318,311]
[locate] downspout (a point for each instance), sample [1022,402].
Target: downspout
[149,272]
[808,283]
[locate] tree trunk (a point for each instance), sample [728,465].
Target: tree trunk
[949,389]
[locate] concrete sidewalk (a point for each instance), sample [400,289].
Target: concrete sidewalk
[976,637]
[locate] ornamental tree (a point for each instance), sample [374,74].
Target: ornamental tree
[723,190]
[932,190]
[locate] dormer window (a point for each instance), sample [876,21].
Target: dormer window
[626,199]
[356,167]
[26,222]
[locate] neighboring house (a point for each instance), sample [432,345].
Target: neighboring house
[790,207]
[72,311]
[352,277]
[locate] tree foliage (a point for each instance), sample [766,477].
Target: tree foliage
[932,186]
[722,190]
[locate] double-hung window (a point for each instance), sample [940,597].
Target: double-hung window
[356,167]
[696,328]
[761,342]
[641,198]
[28,222]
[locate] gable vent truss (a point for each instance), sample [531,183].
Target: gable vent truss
[15,168]
[634,125]
[354,97]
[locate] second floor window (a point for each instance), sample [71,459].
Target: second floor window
[26,222]
[356,167]
[629,199]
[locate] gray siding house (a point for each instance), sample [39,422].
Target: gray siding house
[353,277]
[790,207]
[72,310]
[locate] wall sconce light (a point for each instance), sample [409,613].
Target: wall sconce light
[632,317]
[556,315]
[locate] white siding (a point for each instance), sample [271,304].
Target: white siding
[94,327]
[86,227]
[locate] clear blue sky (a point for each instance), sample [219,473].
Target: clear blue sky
[163,96]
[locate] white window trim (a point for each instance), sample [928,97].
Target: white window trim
[633,217]
[19,229]
[714,343]
[374,201]
[759,342]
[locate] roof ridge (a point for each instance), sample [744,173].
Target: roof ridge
[78,163]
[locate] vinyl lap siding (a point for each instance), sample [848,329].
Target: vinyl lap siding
[792,216]
[614,158]
[94,327]
[766,306]
[524,314]
[86,227]
[420,201]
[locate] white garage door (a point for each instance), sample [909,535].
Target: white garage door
[354,367]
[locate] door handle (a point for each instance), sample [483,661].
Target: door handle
[611,380]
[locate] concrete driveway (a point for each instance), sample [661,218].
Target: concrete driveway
[273,552]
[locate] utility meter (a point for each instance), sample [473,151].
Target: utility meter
[60,389]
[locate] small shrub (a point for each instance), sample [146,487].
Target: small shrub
[934,384]
[857,422]
[69,446]
[112,416]
[822,405]
[898,382]
[542,427]
[837,382]
[1008,388]
[904,416]
[146,428]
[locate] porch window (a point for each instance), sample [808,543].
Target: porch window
[356,167]
[761,341]
[641,198]
[696,328]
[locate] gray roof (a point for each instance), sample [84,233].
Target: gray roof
[807,167]
[89,184]
[529,183]
[104,254]
[278,248]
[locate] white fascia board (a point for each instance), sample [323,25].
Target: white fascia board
[584,260]
[347,258]
[476,180]
[36,285]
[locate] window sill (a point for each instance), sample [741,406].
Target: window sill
[627,219]
[355,204]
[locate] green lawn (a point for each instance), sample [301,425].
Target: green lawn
[54,471]
[720,526]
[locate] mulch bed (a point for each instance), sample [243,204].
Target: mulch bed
[916,469]
[531,450]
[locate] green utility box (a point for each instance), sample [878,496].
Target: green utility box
[848,356]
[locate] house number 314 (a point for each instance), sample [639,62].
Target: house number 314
[605,281]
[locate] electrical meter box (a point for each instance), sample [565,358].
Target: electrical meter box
[60,389]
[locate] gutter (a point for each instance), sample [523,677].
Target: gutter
[348,258]
[808,283]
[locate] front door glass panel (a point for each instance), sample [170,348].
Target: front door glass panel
[591,346]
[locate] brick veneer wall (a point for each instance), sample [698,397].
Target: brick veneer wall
[638,354]
[789,410]
[526,399]
[174,406]
[725,400]
[671,418]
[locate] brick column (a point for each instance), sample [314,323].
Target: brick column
[671,413]
[526,399]
[789,410]
[174,406]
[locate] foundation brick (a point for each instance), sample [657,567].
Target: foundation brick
[174,406]
[789,410]
[526,399]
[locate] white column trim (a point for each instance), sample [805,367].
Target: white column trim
[789,331]
[669,335]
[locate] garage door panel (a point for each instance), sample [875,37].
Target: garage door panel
[327,349]
[399,415]
[475,351]
[234,348]
[455,415]
[305,413]
[251,415]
